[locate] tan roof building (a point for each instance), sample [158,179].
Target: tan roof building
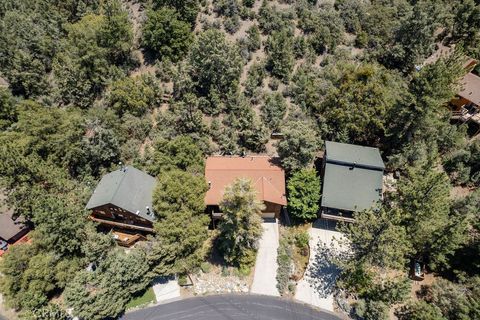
[267,178]
[470,88]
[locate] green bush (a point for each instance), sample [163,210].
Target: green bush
[243,272]
[225,271]
[253,38]
[273,110]
[206,267]
[273,84]
[284,260]
[232,24]
[301,239]
[292,287]
[304,194]
[248,3]
[420,310]
[182,280]
[247,260]
[361,40]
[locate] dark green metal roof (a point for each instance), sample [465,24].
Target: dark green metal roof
[352,189]
[127,188]
[353,177]
[353,154]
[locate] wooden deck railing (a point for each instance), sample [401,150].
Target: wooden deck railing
[337,217]
[121,225]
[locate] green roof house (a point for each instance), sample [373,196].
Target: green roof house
[122,202]
[352,180]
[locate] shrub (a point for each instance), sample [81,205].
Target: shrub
[248,3]
[253,38]
[273,110]
[274,83]
[302,239]
[371,310]
[284,260]
[225,271]
[247,260]
[361,40]
[304,194]
[206,267]
[182,280]
[232,24]
[292,287]
[243,271]
[420,310]
[133,95]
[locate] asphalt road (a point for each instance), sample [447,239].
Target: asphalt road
[231,307]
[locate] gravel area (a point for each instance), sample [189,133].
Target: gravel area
[215,282]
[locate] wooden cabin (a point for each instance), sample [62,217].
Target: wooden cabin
[122,203]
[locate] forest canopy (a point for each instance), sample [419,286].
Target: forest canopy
[161,84]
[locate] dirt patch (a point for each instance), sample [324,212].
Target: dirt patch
[429,279]
[460,192]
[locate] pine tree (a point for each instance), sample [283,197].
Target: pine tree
[178,190]
[424,198]
[377,239]
[300,143]
[180,243]
[241,226]
[166,35]
[280,54]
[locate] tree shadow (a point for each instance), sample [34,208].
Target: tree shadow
[324,270]
[150,57]
[325,224]
[162,280]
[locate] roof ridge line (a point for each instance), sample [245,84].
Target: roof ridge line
[278,191]
[119,183]
[360,165]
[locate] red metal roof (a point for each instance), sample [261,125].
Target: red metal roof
[267,177]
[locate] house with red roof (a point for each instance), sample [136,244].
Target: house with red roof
[267,178]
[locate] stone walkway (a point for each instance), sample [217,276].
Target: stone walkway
[264,279]
[316,288]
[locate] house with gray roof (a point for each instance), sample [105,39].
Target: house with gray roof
[122,201]
[352,180]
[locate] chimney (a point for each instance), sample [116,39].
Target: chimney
[209,184]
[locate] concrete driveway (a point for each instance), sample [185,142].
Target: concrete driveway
[316,287]
[264,279]
[166,289]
